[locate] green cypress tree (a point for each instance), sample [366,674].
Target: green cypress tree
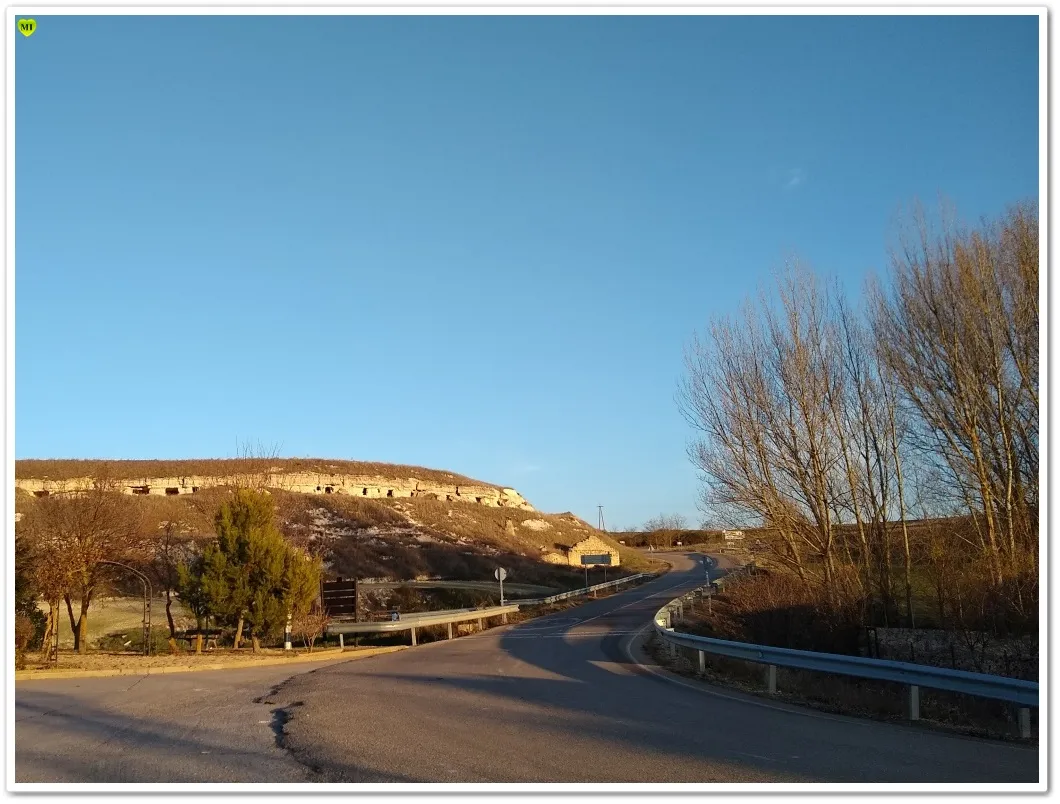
[193,594]
[249,576]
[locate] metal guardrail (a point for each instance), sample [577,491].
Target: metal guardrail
[584,591]
[411,621]
[511,589]
[1017,691]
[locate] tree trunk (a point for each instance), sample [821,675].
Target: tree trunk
[896,454]
[82,635]
[255,642]
[169,617]
[73,622]
[49,629]
[82,627]
[198,642]
[239,633]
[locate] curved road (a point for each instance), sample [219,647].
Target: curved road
[562,698]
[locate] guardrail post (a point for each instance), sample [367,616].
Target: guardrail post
[504,618]
[449,626]
[413,632]
[1024,719]
[1023,693]
[481,627]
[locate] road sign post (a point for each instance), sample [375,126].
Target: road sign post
[500,574]
[601,559]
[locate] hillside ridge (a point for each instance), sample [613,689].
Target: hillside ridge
[70,468]
[303,475]
[433,531]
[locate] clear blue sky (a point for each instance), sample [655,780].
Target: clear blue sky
[477,244]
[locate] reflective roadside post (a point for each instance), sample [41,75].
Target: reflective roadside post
[287,633]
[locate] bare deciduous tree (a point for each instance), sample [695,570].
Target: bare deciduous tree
[309,626]
[173,546]
[74,534]
[758,393]
[828,423]
[959,334]
[661,529]
[255,464]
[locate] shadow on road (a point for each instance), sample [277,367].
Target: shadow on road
[555,699]
[578,679]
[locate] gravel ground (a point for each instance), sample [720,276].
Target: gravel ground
[130,662]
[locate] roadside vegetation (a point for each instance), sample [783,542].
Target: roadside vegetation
[884,451]
[878,700]
[232,559]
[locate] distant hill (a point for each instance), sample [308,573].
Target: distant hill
[68,469]
[433,535]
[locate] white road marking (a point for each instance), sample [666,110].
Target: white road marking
[755,756]
[613,667]
[548,627]
[593,635]
[639,600]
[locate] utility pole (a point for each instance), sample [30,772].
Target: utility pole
[603,529]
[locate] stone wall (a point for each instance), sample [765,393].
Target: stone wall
[973,651]
[553,558]
[301,482]
[592,545]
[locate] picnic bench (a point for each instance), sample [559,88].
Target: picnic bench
[209,637]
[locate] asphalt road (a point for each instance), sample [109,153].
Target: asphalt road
[557,699]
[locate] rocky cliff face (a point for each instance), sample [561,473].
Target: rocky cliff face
[301,482]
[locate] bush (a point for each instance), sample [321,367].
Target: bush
[250,574]
[24,633]
[776,608]
[38,622]
[309,626]
[132,641]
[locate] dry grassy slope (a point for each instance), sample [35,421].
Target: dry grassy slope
[404,539]
[421,537]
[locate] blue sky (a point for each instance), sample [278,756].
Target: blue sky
[477,244]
